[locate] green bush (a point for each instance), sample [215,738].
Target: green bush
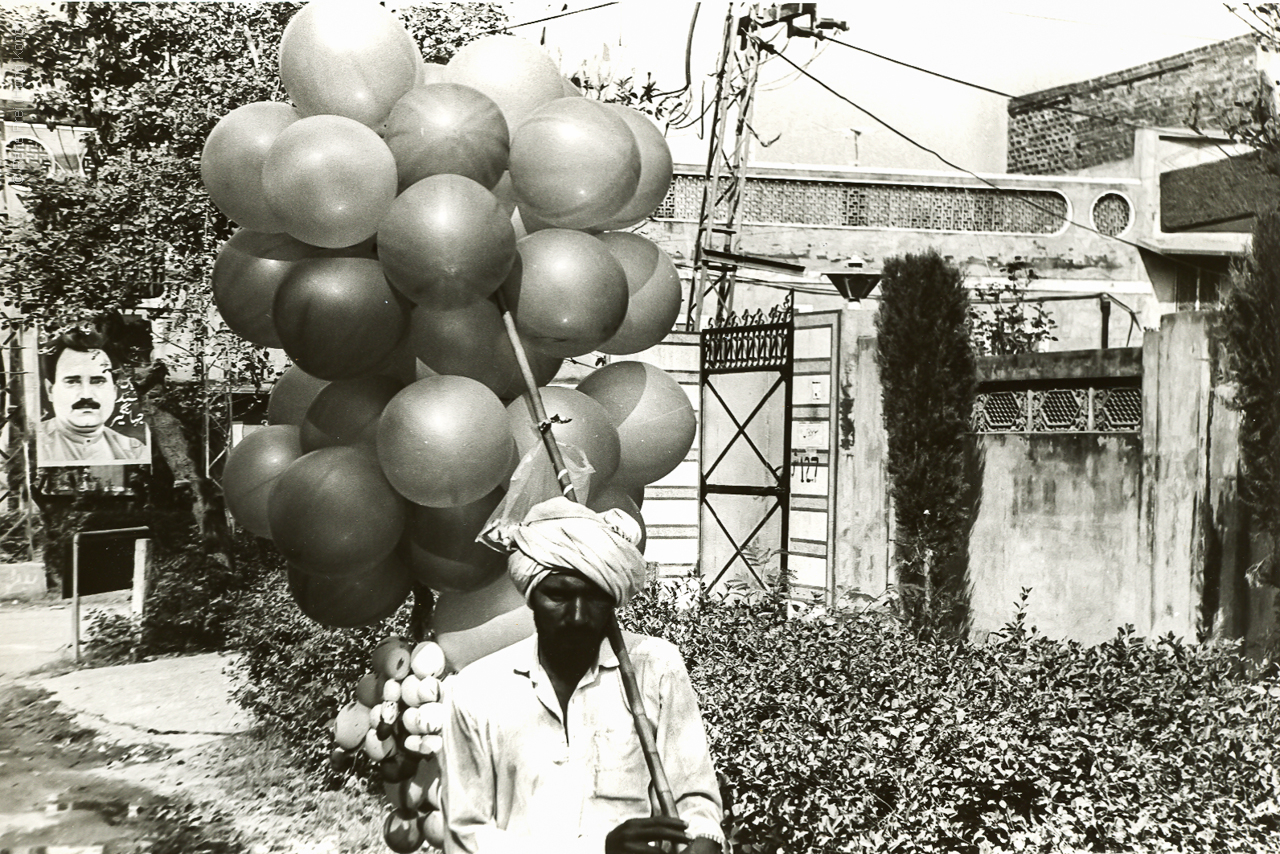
[294,674]
[112,638]
[844,733]
[194,596]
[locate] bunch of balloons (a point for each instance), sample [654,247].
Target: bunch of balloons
[386,212]
[395,720]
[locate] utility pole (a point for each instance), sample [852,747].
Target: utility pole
[716,255]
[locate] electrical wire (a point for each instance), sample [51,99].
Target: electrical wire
[973,174]
[1111,120]
[509,27]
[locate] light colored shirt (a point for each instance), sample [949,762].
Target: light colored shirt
[54,445]
[519,779]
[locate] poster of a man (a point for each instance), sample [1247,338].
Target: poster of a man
[89,420]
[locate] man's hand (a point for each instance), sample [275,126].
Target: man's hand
[644,835]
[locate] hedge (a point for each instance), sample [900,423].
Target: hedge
[846,733]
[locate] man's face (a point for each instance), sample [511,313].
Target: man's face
[570,613]
[83,391]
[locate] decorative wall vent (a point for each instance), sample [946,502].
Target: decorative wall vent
[780,201]
[1112,214]
[25,158]
[1082,409]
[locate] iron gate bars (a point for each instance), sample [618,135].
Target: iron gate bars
[755,343]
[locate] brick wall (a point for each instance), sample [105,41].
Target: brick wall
[1080,125]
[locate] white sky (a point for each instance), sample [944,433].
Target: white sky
[1014,46]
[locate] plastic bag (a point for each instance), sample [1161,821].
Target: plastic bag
[533,482]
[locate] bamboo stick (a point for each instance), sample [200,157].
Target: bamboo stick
[631,688]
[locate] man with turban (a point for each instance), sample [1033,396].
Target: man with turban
[540,750]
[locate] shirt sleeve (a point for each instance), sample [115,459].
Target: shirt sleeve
[468,792]
[682,744]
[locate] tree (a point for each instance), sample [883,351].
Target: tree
[149,81]
[928,378]
[1250,328]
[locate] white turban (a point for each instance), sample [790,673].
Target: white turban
[559,533]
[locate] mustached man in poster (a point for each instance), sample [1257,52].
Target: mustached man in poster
[91,417]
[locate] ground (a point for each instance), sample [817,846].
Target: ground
[63,784]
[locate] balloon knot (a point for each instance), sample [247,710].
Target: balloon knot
[544,426]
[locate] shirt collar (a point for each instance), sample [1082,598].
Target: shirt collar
[527,662]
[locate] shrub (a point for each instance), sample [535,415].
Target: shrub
[293,673]
[112,638]
[846,733]
[1250,328]
[194,595]
[928,379]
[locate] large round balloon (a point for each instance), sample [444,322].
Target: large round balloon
[574,163]
[443,552]
[330,180]
[446,241]
[469,626]
[333,511]
[653,284]
[349,58]
[517,74]
[576,420]
[655,170]
[614,497]
[232,159]
[253,466]
[246,275]
[444,441]
[654,417]
[292,395]
[446,128]
[346,412]
[471,341]
[350,599]
[337,317]
[571,294]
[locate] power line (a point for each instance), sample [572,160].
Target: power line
[550,18]
[1111,120]
[978,86]
[766,47]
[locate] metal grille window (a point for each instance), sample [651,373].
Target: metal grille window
[25,158]
[1082,409]
[1111,214]
[864,205]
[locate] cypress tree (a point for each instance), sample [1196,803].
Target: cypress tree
[928,377]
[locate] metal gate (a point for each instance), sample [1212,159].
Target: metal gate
[744,489]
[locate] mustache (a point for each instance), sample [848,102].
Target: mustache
[85,403]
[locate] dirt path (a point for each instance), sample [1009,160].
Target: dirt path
[65,784]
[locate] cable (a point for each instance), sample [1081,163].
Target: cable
[970,172]
[1112,120]
[508,27]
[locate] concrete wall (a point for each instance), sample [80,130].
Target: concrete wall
[862,548]
[1105,528]
[1060,514]
[1075,259]
[1083,125]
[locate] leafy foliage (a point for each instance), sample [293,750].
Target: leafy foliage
[149,81]
[928,379]
[295,674]
[1003,323]
[845,732]
[1250,328]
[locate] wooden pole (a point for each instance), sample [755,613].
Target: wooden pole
[635,701]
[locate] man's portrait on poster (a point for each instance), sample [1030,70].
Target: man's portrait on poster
[89,410]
